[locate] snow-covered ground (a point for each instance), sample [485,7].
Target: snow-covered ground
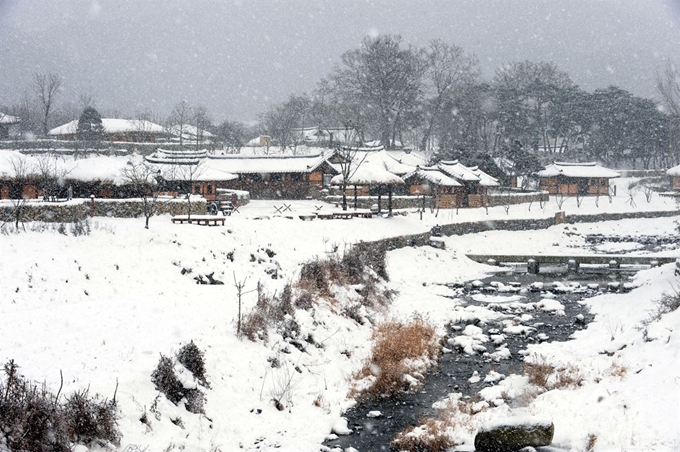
[102,307]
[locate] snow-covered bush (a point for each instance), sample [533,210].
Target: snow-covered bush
[191,357]
[33,419]
[166,381]
[91,420]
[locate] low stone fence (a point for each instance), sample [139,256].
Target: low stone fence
[48,213]
[134,208]
[620,216]
[365,202]
[505,225]
[75,210]
[505,198]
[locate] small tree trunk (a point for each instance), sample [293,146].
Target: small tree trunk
[389,200]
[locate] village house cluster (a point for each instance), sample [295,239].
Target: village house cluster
[318,170]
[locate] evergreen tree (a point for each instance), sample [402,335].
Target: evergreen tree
[90,127]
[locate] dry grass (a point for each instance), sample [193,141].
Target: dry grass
[357,266]
[396,347]
[547,376]
[430,436]
[591,441]
[617,370]
[434,434]
[668,303]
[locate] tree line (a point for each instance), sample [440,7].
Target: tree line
[435,100]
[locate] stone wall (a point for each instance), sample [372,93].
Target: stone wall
[365,202]
[132,208]
[506,225]
[49,213]
[500,199]
[74,211]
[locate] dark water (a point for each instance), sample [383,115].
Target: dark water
[456,368]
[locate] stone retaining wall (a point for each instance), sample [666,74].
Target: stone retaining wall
[500,199]
[134,208]
[505,225]
[49,213]
[70,212]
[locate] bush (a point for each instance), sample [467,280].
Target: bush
[397,347]
[32,419]
[165,380]
[430,436]
[547,376]
[91,420]
[271,311]
[191,357]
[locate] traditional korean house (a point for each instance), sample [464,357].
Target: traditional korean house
[119,130]
[9,126]
[475,181]
[447,191]
[674,174]
[574,179]
[275,176]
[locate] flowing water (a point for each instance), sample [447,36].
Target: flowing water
[454,372]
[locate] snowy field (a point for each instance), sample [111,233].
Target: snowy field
[102,307]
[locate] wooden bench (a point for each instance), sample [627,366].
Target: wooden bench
[363,214]
[204,220]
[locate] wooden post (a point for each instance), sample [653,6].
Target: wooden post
[379,198]
[91,205]
[533,267]
[355,196]
[573,265]
[389,200]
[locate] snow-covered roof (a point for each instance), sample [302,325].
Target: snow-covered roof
[204,170]
[435,176]
[485,180]
[89,168]
[369,175]
[189,131]
[112,125]
[459,171]
[250,164]
[577,170]
[7,119]
[387,160]
[180,157]
[675,171]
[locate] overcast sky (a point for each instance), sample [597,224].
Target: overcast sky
[237,57]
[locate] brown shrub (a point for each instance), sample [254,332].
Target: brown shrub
[394,344]
[431,436]
[591,441]
[547,377]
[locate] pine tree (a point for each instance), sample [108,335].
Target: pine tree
[90,127]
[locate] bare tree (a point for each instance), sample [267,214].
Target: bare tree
[181,116]
[51,174]
[350,159]
[201,121]
[142,178]
[448,71]
[188,174]
[46,87]
[668,86]
[383,81]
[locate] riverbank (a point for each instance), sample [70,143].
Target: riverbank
[101,305]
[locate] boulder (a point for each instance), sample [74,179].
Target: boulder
[513,435]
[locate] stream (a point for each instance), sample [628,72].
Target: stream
[525,317]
